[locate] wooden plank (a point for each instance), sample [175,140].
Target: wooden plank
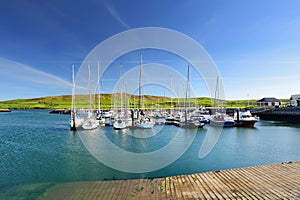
[277,181]
[238,186]
[227,184]
[197,194]
[209,194]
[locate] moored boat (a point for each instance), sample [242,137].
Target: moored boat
[191,124]
[221,119]
[244,118]
[120,124]
[90,124]
[145,123]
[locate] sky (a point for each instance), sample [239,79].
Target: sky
[254,44]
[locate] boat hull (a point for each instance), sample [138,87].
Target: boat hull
[191,125]
[145,126]
[222,123]
[245,123]
[90,124]
[119,125]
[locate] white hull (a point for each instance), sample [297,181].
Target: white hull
[222,120]
[145,125]
[78,122]
[120,124]
[90,124]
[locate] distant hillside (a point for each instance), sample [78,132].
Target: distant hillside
[108,101]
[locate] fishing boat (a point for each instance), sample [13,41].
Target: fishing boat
[244,118]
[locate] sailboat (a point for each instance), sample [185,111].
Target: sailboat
[143,121]
[120,122]
[220,118]
[90,122]
[75,121]
[188,123]
[99,112]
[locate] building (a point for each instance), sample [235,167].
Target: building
[295,100]
[269,102]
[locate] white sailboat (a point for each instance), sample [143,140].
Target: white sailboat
[75,121]
[143,121]
[90,122]
[188,123]
[99,117]
[220,118]
[120,122]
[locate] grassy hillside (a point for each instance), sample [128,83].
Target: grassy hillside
[107,101]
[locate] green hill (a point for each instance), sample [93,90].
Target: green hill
[108,101]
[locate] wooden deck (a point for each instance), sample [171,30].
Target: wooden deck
[278,181]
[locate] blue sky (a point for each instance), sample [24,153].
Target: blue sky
[254,44]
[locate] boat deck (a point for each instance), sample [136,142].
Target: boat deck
[277,181]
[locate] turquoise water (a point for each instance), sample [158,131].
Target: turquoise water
[38,148]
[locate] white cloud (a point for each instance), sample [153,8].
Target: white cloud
[116,15]
[19,72]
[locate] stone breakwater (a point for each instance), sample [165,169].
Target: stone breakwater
[288,114]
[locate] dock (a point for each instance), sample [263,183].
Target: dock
[276,181]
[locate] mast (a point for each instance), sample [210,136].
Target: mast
[126,100]
[216,101]
[99,89]
[171,104]
[178,106]
[73,112]
[73,90]
[89,86]
[121,103]
[140,87]
[186,93]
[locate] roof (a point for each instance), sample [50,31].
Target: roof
[269,99]
[295,96]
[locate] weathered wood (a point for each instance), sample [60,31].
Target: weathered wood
[277,181]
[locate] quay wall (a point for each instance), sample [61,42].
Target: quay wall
[289,114]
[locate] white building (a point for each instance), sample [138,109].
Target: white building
[269,102]
[295,100]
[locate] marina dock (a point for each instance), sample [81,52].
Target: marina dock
[276,181]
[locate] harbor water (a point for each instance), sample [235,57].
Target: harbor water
[37,150]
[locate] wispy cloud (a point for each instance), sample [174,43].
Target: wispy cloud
[116,15]
[19,72]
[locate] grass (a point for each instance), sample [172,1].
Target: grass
[107,102]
